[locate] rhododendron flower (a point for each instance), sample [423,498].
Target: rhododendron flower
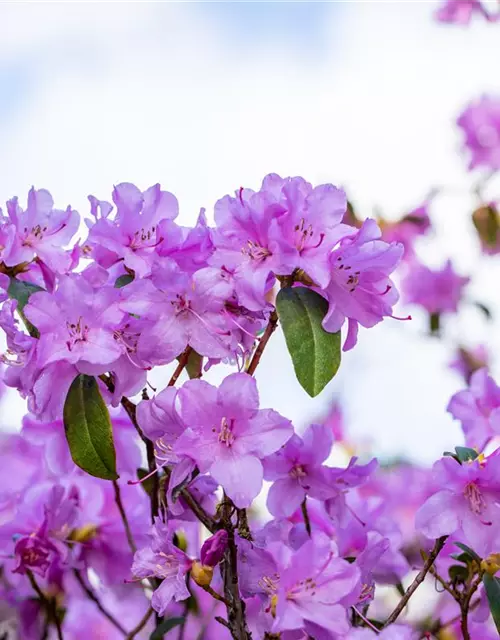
[437,291]
[480,123]
[410,227]
[462,11]
[297,471]
[228,435]
[165,561]
[478,409]
[467,499]
[40,231]
[468,361]
[133,234]
[213,548]
[360,288]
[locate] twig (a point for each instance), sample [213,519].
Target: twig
[243,526]
[305,515]
[365,620]
[464,606]
[419,578]
[223,622]
[441,581]
[199,511]
[140,626]
[126,524]
[271,326]
[215,595]
[183,360]
[92,596]
[49,604]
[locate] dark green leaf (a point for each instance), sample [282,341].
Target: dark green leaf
[21,291]
[123,280]
[400,588]
[466,453]
[470,552]
[492,588]
[461,557]
[194,364]
[88,429]
[315,353]
[458,572]
[148,484]
[164,627]
[434,323]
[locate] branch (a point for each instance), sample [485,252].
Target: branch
[142,623]
[271,326]
[420,577]
[92,596]
[49,604]
[199,511]
[305,515]
[464,606]
[126,524]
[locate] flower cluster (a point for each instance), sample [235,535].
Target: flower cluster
[118,499]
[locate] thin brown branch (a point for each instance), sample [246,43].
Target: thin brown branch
[305,515]
[140,626]
[465,606]
[215,595]
[419,578]
[92,596]
[123,514]
[199,511]
[183,359]
[271,326]
[49,604]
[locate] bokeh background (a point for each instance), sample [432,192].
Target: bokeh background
[205,97]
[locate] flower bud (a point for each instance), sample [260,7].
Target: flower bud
[202,574]
[83,534]
[491,564]
[213,548]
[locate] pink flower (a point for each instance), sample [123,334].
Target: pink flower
[228,435]
[480,123]
[467,500]
[478,408]
[437,291]
[462,11]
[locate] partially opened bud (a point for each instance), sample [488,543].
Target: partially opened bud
[491,564]
[487,223]
[213,548]
[202,574]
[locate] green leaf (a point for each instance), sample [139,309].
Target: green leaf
[458,572]
[194,364]
[492,588]
[464,454]
[148,484]
[164,627]
[315,353]
[21,291]
[400,589]
[88,429]
[470,552]
[123,280]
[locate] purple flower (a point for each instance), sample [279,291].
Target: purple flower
[133,234]
[360,288]
[478,409]
[468,361]
[437,291]
[467,500]
[461,11]
[213,548]
[182,310]
[297,471]
[480,123]
[312,585]
[410,227]
[40,231]
[76,324]
[228,435]
[165,561]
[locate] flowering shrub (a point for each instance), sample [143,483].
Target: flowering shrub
[128,511]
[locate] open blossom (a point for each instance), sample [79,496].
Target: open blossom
[437,291]
[132,235]
[228,435]
[467,500]
[462,11]
[39,231]
[480,123]
[165,561]
[411,226]
[360,288]
[284,226]
[468,361]
[478,409]
[297,471]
